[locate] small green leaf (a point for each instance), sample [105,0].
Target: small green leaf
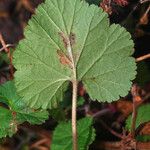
[8,93]
[143,138]
[58,114]
[3,58]
[80,101]
[37,117]
[143,116]
[62,138]
[17,111]
[7,124]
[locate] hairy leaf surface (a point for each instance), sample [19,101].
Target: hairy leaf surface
[64,33]
[62,138]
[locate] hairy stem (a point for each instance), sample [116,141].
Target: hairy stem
[74,95]
[74,116]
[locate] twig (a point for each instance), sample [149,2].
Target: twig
[7,46]
[143,58]
[129,17]
[109,3]
[147,11]
[117,145]
[144,19]
[101,113]
[146,97]
[26,4]
[110,130]
[39,143]
[134,113]
[7,50]
[144,1]
[3,43]
[124,22]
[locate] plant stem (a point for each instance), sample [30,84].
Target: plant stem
[144,1]
[74,115]
[143,58]
[110,130]
[7,46]
[74,95]
[134,113]
[101,113]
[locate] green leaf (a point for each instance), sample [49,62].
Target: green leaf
[67,33]
[62,137]
[143,138]
[17,111]
[7,124]
[58,114]
[143,116]
[8,93]
[3,58]
[32,117]
[80,101]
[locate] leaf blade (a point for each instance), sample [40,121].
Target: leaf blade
[143,116]
[95,46]
[16,111]
[85,135]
